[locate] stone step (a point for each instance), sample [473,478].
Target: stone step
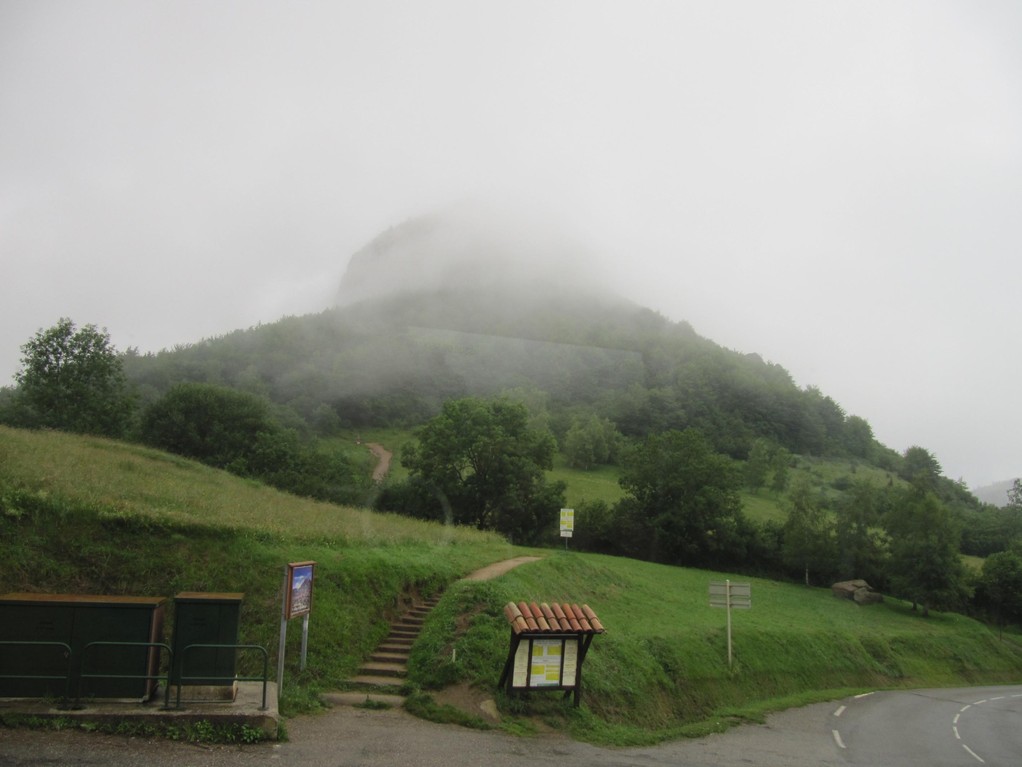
[395,647]
[372,680]
[361,698]
[389,657]
[402,634]
[406,628]
[388,664]
[384,669]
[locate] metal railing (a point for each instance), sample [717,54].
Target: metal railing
[149,664]
[166,678]
[181,676]
[67,669]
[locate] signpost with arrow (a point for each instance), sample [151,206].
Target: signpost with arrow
[730,596]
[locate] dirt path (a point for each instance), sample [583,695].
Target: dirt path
[383,457]
[499,568]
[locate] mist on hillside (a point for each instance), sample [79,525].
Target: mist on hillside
[834,186]
[474,245]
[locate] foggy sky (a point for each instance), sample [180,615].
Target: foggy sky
[835,186]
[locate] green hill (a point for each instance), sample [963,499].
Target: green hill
[87,515]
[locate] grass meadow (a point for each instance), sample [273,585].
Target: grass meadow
[87,515]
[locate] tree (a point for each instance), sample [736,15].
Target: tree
[1001,586]
[925,565]
[920,467]
[808,535]
[236,431]
[1015,494]
[213,424]
[757,465]
[780,463]
[480,457]
[861,542]
[1014,512]
[72,379]
[859,439]
[688,497]
[590,442]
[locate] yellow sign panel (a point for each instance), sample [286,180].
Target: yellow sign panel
[567,522]
[545,666]
[545,663]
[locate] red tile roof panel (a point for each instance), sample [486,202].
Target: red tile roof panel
[558,618]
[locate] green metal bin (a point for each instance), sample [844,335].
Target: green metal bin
[77,621]
[206,618]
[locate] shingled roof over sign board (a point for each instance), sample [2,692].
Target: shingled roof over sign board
[552,619]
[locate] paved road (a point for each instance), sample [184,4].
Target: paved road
[931,728]
[349,737]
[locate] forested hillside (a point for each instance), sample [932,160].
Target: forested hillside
[493,370]
[393,361]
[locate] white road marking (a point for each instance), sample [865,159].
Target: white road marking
[863,695]
[957,736]
[974,754]
[999,697]
[957,717]
[837,739]
[840,711]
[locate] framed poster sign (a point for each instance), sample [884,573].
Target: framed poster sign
[546,662]
[567,522]
[298,600]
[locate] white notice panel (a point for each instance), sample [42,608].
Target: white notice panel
[567,522]
[545,663]
[522,666]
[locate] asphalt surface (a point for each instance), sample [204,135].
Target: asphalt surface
[932,728]
[920,728]
[347,736]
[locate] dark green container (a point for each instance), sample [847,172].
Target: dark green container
[78,620]
[206,618]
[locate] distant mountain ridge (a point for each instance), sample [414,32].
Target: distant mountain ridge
[995,493]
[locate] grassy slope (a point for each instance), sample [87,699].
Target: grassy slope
[87,515]
[92,516]
[661,669]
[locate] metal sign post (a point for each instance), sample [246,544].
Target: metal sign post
[730,595]
[280,652]
[305,641]
[297,602]
[567,525]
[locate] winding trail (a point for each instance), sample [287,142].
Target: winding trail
[383,459]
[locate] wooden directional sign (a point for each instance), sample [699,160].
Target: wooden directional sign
[728,594]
